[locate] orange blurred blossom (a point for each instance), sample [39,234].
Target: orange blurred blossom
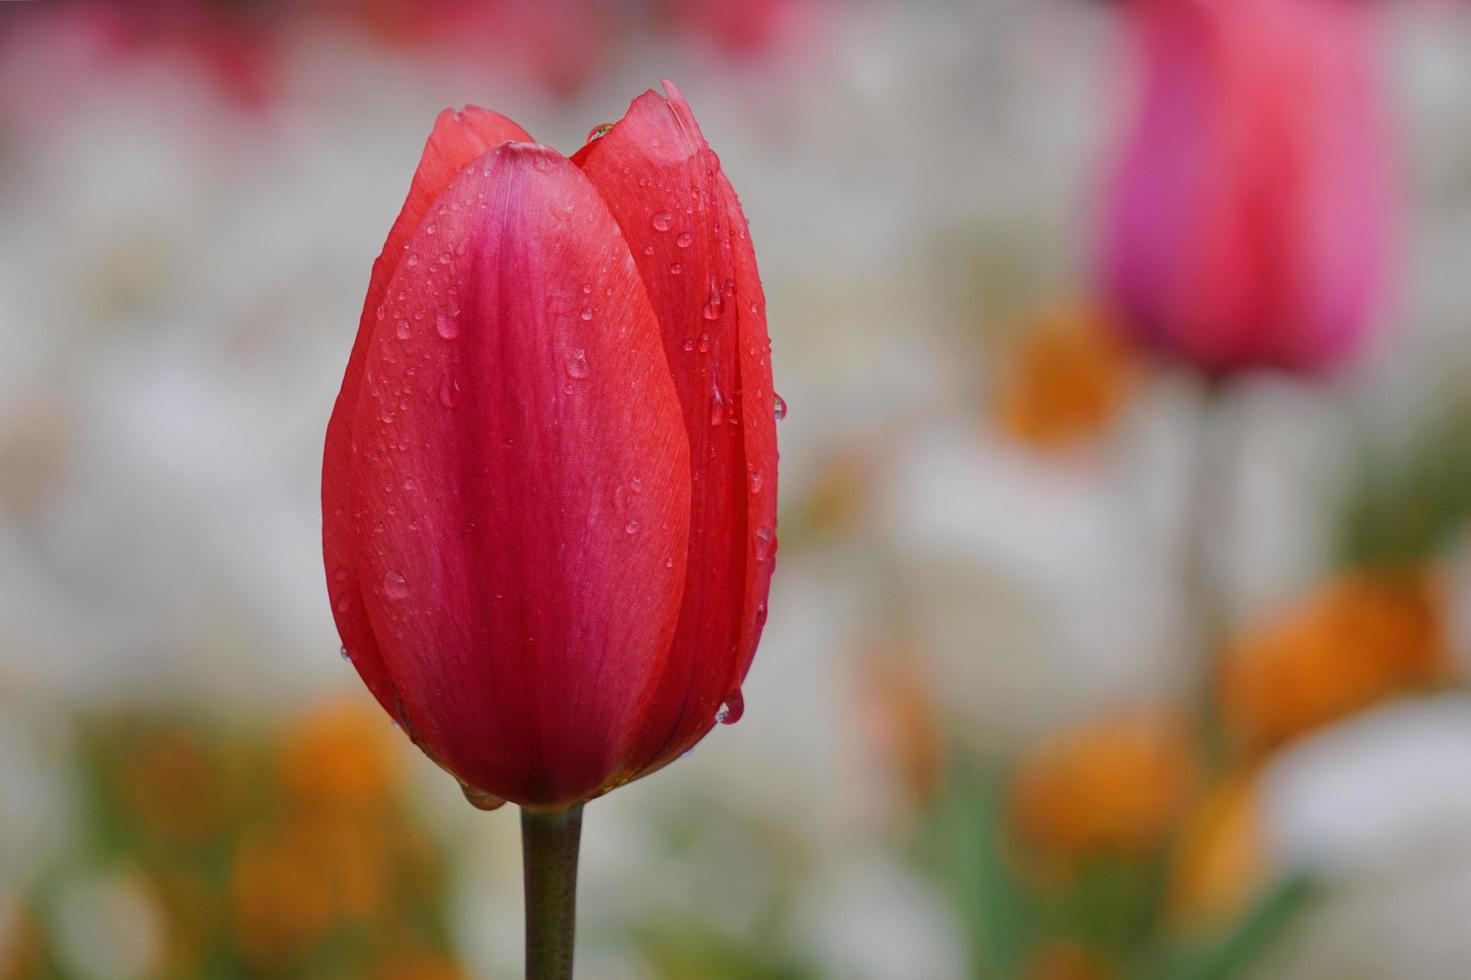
[1357,639]
[1117,784]
[1222,858]
[1067,378]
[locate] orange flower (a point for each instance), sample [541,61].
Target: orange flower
[1222,857]
[901,725]
[838,498]
[421,966]
[1067,961]
[1117,784]
[177,784]
[341,755]
[1068,377]
[21,954]
[1356,640]
[282,905]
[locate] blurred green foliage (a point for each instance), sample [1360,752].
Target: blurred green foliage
[1407,501]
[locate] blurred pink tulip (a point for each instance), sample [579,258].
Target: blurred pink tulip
[1248,219]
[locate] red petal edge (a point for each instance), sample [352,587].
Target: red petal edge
[689,237]
[457,138]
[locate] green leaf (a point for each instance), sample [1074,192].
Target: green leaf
[964,846]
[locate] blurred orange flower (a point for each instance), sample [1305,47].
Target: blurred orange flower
[1222,856]
[838,498]
[1067,961]
[1067,378]
[177,785]
[340,755]
[1357,639]
[1116,784]
[901,723]
[282,906]
[20,949]
[422,966]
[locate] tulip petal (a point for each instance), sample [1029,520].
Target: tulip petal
[457,138]
[525,482]
[685,228]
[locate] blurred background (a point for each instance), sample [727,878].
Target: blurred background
[1113,635]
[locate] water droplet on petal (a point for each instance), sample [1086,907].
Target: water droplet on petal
[756,480]
[717,406]
[577,366]
[631,527]
[446,324]
[394,586]
[598,132]
[412,260]
[449,393]
[343,602]
[402,329]
[586,313]
[685,239]
[780,404]
[342,652]
[662,220]
[480,799]
[765,541]
[675,269]
[715,306]
[731,709]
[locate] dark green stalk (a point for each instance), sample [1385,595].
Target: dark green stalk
[549,844]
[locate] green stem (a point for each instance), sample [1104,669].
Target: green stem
[1213,470]
[549,853]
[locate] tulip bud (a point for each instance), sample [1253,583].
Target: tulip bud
[549,482]
[1247,223]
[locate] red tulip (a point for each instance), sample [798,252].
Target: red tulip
[549,485]
[1248,221]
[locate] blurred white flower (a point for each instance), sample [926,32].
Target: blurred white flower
[106,926]
[1390,786]
[873,919]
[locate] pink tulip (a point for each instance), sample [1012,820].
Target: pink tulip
[1248,220]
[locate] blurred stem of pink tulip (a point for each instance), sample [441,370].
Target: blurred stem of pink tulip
[1207,516]
[549,843]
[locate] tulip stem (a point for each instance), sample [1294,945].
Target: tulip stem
[1214,466]
[549,843]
